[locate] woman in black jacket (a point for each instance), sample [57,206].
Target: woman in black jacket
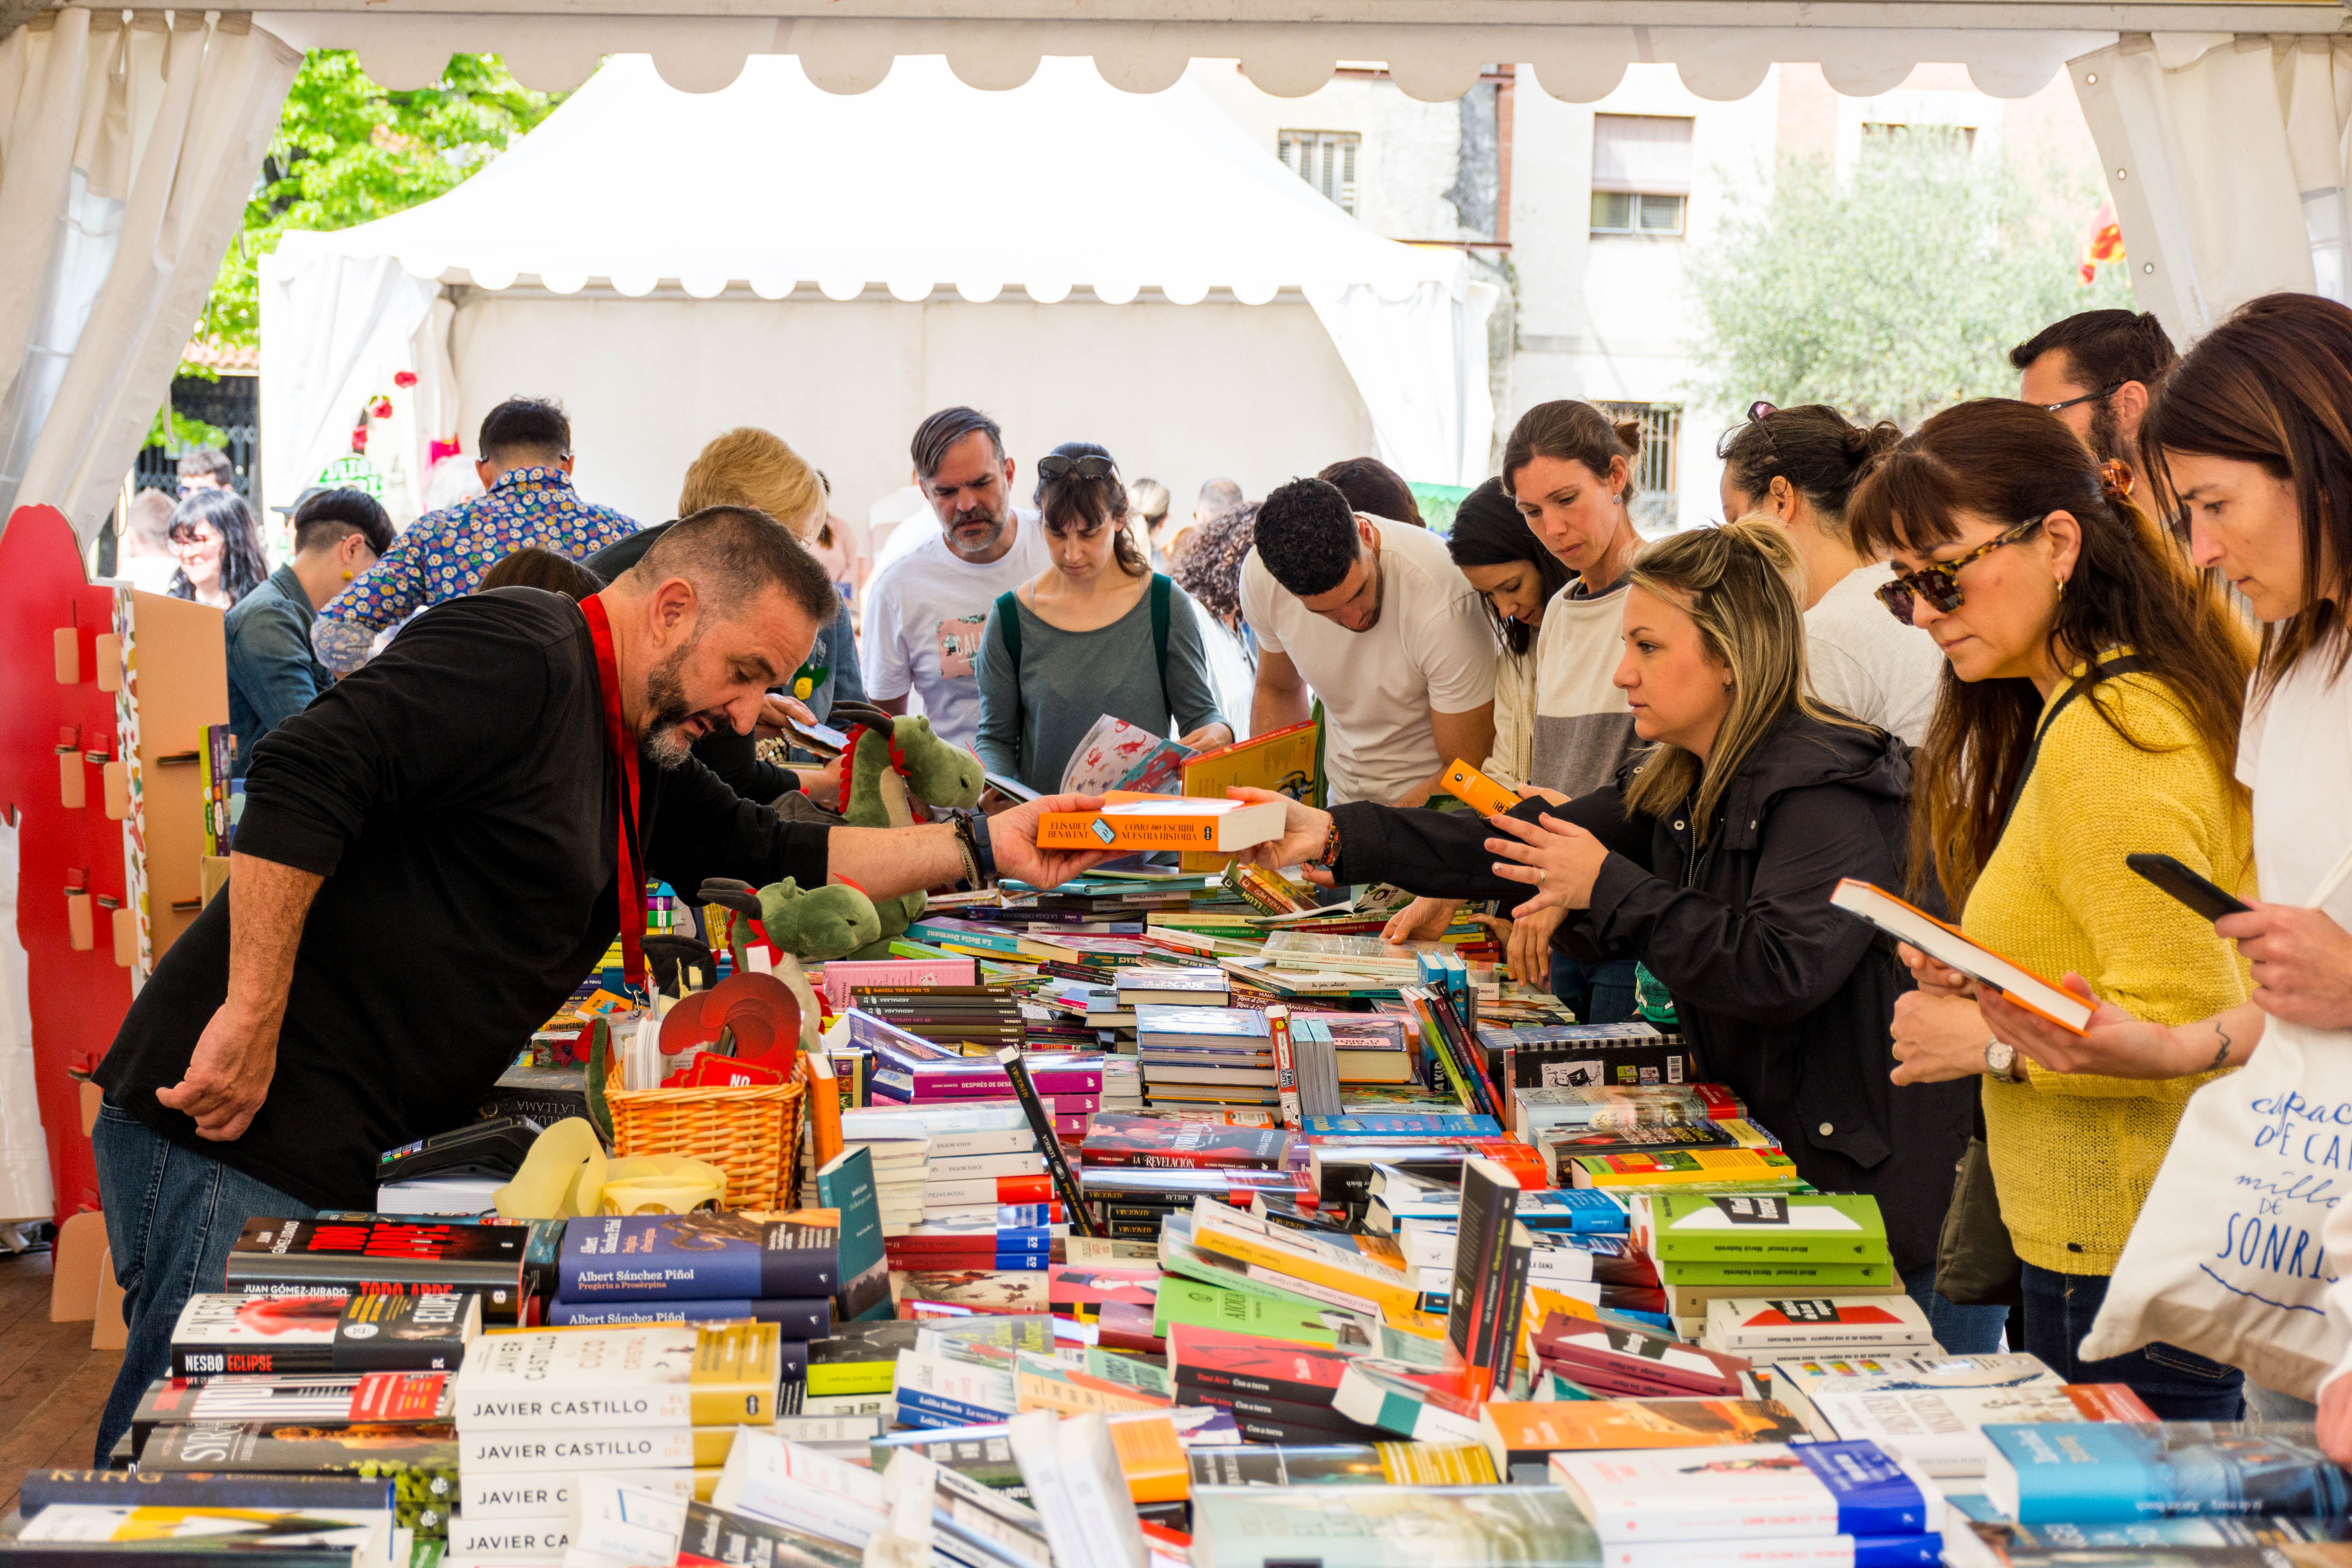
[1711,860]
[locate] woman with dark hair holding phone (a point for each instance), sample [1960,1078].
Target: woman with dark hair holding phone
[2089,709]
[1096,632]
[1710,857]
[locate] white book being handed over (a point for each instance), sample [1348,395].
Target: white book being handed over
[1949,946]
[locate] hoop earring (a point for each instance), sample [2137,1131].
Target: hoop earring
[2061,587]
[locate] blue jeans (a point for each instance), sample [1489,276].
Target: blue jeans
[2177,1385]
[1962,1331]
[1598,993]
[171,1218]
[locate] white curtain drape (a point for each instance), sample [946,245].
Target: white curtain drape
[2225,157]
[1420,364]
[335,334]
[127,154]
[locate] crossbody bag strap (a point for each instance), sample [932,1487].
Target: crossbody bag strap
[1008,626]
[2130,664]
[1160,590]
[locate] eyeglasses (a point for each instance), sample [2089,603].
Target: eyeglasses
[2087,397]
[1937,582]
[1055,466]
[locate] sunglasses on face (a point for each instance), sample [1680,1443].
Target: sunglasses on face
[1055,466]
[1939,580]
[2087,397]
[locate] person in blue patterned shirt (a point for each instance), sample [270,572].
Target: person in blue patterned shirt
[526,469]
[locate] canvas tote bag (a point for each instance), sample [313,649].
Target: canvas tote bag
[2227,1259]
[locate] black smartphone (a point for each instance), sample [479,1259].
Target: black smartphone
[2186,886]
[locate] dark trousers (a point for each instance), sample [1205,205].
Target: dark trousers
[2177,1385]
[171,1218]
[1598,993]
[1962,1331]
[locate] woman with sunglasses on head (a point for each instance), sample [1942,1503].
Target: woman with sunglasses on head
[1798,467]
[1710,857]
[2090,711]
[1096,632]
[218,548]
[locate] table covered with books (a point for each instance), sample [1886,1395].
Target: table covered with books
[1166,1217]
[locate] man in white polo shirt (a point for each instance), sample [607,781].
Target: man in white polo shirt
[1376,618]
[924,610]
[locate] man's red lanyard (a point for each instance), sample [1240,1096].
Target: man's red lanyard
[625,751]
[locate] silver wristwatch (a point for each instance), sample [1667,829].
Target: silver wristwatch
[2001,1061]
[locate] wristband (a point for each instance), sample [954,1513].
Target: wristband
[971,843]
[1330,855]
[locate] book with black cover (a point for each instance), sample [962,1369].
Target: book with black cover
[195,1488]
[1065,1185]
[375,1447]
[219,1332]
[726,1254]
[352,1255]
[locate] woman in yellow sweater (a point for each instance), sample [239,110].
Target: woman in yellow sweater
[2089,709]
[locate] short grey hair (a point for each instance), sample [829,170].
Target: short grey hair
[1220,496]
[942,430]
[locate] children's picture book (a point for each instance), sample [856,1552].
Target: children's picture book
[1117,755]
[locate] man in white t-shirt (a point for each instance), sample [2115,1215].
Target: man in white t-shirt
[924,610]
[1378,619]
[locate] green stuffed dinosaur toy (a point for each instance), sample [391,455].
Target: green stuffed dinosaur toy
[890,769]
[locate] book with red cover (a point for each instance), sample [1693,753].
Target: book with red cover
[1120,1140]
[1615,1360]
[1123,1327]
[1214,1359]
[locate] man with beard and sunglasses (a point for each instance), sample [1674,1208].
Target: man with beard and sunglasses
[925,611]
[2095,371]
[431,856]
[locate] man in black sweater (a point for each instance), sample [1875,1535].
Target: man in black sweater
[431,857]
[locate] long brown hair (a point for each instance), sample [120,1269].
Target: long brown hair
[1739,583]
[2270,387]
[2004,462]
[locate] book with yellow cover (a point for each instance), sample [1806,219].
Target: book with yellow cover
[1162,822]
[1280,759]
[1683,1167]
[1325,1272]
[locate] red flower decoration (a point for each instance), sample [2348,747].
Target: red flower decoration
[382,409]
[404,379]
[359,439]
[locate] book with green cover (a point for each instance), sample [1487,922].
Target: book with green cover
[1821,1228]
[1240,1311]
[847,1184]
[1779,1277]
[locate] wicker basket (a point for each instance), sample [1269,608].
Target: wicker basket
[752,1134]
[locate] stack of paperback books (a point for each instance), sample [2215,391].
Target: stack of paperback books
[342,1254]
[1205,1055]
[1740,1245]
[538,1410]
[708,1266]
[1933,1411]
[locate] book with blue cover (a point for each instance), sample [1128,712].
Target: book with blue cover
[1401,1126]
[2115,1472]
[697,1256]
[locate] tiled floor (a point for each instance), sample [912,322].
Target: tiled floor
[52,1384]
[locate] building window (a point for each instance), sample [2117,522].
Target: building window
[1640,174]
[1325,159]
[1877,133]
[1657,505]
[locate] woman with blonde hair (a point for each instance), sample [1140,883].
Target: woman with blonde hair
[1710,857]
[755,467]
[2089,711]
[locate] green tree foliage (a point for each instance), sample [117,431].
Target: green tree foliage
[347,151]
[1897,291]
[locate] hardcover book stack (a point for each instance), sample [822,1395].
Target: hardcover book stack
[1207,1057]
[1743,1245]
[538,1410]
[1135,1171]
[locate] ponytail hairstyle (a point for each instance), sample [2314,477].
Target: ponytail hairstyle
[1073,501]
[1738,585]
[2268,386]
[1572,430]
[1817,450]
[2003,462]
[1488,531]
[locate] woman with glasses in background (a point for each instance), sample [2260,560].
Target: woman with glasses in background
[1096,632]
[2089,711]
[1798,467]
[219,549]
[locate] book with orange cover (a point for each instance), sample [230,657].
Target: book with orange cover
[1955,949]
[1475,790]
[1528,1431]
[823,1100]
[1132,822]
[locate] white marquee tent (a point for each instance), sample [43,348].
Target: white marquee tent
[129,140]
[836,266]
